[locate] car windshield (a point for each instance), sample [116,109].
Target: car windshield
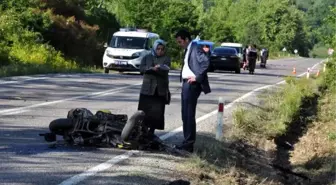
[229,51]
[128,42]
[238,49]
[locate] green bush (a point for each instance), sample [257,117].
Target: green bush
[22,50]
[278,109]
[329,79]
[176,65]
[319,52]
[79,29]
[51,35]
[76,39]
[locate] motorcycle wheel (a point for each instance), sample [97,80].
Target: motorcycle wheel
[135,120]
[58,126]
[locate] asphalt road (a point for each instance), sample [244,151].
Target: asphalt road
[28,104]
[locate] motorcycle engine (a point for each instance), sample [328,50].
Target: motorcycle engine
[78,140]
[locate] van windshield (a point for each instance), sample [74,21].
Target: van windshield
[128,42]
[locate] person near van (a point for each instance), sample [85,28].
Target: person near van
[206,49]
[154,93]
[251,57]
[245,66]
[194,81]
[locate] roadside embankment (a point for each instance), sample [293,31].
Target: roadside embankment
[284,136]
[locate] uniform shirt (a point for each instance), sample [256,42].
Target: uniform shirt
[251,53]
[186,72]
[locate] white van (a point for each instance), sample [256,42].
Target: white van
[126,49]
[237,46]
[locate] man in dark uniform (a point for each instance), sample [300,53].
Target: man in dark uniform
[251,56]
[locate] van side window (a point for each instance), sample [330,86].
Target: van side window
[151,41]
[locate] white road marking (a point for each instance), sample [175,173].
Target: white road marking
[103,166]
[14,112]
[18,81]
[312,67]
[95,94]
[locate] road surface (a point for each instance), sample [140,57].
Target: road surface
[28,104]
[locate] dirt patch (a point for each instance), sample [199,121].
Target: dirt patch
[315,153]
[285,143]
[229,162]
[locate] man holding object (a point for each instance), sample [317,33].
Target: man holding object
[194,81]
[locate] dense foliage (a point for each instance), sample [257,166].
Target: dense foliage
[72,33]
[329,80]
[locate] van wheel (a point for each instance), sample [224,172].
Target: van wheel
[106,71]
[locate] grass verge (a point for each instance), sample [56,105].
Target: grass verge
[32,69]
[278,110]
[228,162]
[289,138]
[314,155]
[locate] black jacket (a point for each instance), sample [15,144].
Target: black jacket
[154,79]
[199,63]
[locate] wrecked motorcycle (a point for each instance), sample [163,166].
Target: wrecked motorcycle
[82,127]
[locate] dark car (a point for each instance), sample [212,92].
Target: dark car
[224,58]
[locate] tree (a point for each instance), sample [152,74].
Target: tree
[329,39]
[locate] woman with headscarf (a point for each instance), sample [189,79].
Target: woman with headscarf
[154,93]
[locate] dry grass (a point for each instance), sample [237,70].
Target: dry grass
[228,162]
[245,157]
[315,153]
[259,132]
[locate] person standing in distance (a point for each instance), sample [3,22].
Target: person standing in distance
[251,57]
[194,80]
